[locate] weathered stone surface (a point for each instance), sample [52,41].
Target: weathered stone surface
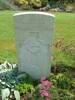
[33,40]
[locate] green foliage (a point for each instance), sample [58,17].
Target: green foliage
[24,78]
[52,78]
[66,95]
[39,3]
[60,80]
[63,87]
[31,3]
[62,1]
[53,90]
[24,84]
[24,88]
[64,53]
[63,81]
[36,3]
[44,2]
[73,84]
[21,2]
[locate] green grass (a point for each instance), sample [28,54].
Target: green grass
[7,40]
[64,27]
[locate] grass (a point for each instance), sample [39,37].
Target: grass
[64,27]
[7,40]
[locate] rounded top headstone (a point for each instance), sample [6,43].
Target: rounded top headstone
[34,12]
[34,31]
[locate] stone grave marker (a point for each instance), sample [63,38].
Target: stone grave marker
[33,41]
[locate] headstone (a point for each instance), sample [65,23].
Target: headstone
[33,40]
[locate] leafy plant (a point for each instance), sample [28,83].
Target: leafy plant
[36,3]
[25,88]
[60,80]
[66,95]
[21,2]
[24,78]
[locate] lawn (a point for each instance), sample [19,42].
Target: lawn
[64,28]
[7,41]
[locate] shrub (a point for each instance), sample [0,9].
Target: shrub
[60,80]
[66,95]
[24,78]
[39,3]
[21,2]
[36,3]
[63,81]
[24,4]
[24,88]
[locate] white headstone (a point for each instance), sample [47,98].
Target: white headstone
[33,40]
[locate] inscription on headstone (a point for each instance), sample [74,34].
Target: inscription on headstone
[33,40]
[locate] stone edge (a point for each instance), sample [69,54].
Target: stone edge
[34,12]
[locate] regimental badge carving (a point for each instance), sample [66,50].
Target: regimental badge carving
[32,45]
